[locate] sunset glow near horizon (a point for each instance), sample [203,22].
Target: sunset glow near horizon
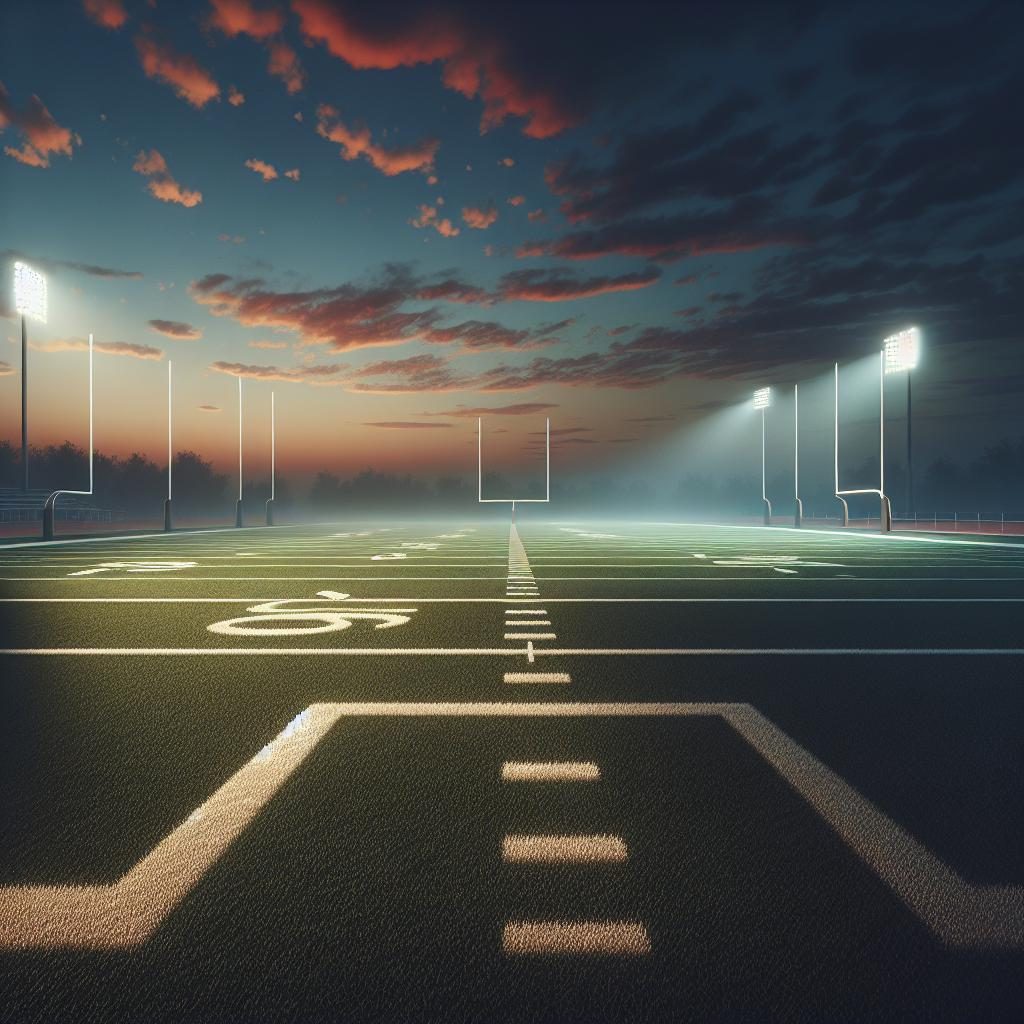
[403,217]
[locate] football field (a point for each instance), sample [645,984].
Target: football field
[449,771]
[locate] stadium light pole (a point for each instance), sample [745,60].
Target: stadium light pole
[168,523]
[902,351]
[238,505]
[29,302]
[51,501]
[762,399]
[273,460]
[798,506]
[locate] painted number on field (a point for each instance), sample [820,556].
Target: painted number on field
[136,567]
[300,617]
[770,561]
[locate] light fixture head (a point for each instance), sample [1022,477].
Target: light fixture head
[902,350]
[762,398]
[29,292]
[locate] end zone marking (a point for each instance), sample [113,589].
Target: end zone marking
[565,849]
[550,771]
[537,677]
[125,913]
[575,938]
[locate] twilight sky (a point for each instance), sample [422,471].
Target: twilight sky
[624,216]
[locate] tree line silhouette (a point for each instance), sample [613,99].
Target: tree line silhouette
[137,485]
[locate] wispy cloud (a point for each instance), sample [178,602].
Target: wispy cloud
[358,142]
[109,348]
[175,329]
[82,268]
[284,64]
[290,375]
[42,135]
[161,184]
[519,409]
[480,217]
[267,171]
[106,13]
[186,76]
[406,425]
[428,218]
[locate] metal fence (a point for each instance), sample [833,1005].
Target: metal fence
[1008,523]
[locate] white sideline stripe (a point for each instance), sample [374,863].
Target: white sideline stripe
[527,622]
[537,677]
[567,849]
[550,771]
[792,530]
[329,652]
[774,580]
[128,911]
[531,611]
[128,538]
[530,636]
[519,611]
[575,938]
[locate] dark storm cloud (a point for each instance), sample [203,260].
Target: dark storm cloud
[918,43]
[742,226]
[697,160]
[549,65]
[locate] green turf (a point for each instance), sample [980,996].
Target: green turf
[371,887]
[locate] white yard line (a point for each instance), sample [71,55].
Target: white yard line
[531,611]
[333,652]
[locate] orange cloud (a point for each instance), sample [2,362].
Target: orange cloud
[356,142]
[106,13]
[109,348]
[406,425]
[192,82]
[240,17]
[290,375]
[294,174]
[208,408]
[519,409]
[284,64]
[176,329]
[516,200]
[428,218]
[235,98]
[479,217]
[556,286]
[267,171]
[478,58]
[507,161]
[161,185]
[536,215]
[41,133]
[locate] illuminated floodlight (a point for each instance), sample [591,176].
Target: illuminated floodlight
[762,398]
[902,350]
[29,292]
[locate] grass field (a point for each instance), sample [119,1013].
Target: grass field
[575,772]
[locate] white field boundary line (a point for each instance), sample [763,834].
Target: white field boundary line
[530,651]
[795,534]
[768,578]
[128,538]
[127,912]
[506,600]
